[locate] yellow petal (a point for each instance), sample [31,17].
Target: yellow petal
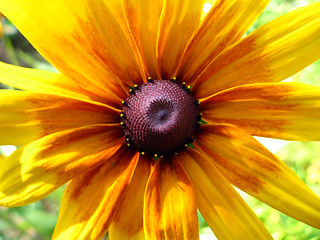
[272,53]
[41,81]
[288,111]
[170,211]
[35,170]
[91,200]
[226,23]
[71,41]
[222,207]
[128,221]
[252,168]
[26,116]
[179,20]
[143,19]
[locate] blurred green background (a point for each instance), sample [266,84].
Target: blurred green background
[36,221]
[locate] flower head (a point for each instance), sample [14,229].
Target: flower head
[152,114]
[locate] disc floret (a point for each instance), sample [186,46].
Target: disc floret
[159,117]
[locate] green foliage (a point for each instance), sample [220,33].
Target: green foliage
[35,221]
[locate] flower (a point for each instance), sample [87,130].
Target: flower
[130,158]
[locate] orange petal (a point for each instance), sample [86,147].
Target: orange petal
[26,116]
[91,200]
[179,20]
[35,170]
[249,166]
[288,111]
[271,53]
[108,36]
[170,211]
[72,39]
[128,221]
[143,19]
[226,23]
[222,207]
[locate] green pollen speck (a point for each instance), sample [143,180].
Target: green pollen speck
[202,122]
[190,145]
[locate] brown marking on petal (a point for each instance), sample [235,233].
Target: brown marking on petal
[264,164]
[67,68]
[77,168]
[237,175]
[217,50]
[254,158]
[61,142]
[56,114]
[103,220]
[56,58]
[275,109]
[125,173]
[132,231]
[259,111]
[230,56]
[230,68]
[227,40]
[215,12]
[72,117]
[183,178]
[57,109]
[252,68]
[134,199]
[95,42]
[225,133]
[64,67]
[84,181]
[261,73]
[53,101]
[70,138]
[201,37]
[51,127]
[257,127]
[114,164]
[77,140]
[156,195]
[152,208]
[239,139]
[278,93]
[245,167]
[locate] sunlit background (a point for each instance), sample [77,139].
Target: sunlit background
[36,221]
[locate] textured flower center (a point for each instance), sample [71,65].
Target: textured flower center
[159,117]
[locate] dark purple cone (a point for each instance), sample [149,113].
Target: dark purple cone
[159,117]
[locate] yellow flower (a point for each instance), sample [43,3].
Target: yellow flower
[74,125]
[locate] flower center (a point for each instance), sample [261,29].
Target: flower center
[159,117]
